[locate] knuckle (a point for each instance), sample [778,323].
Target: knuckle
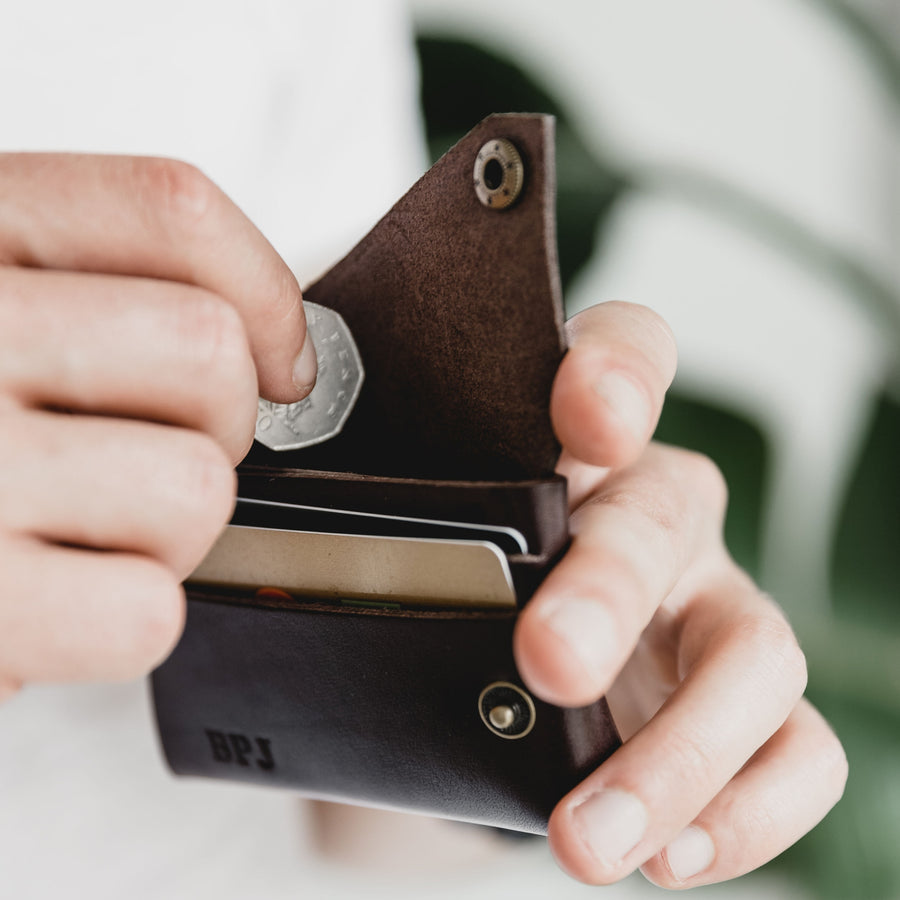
[20,327]
[752,823]
[704,477]
[220,358]
[770,639]
[214,331]
[156,623]
[693,754]
[18,440]
[204,489]
[208,481]
[173,189]
[660,507]
[11,424]
[193,487]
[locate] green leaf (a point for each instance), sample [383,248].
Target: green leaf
[740,450]
[866,556]
[852,854]
[873,37]
[462,82]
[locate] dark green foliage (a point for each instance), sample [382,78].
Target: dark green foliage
[872,35]
[866,556]
[853,853]
[462,83]
[740,450]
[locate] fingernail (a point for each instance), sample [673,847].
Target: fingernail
[306,367]
[611,824]
[690,853]
[626,400]
[588,630]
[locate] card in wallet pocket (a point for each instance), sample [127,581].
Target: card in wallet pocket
[350,634]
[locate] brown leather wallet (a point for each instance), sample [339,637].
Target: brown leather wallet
[400,690]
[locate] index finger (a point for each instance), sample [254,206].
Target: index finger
[158,218]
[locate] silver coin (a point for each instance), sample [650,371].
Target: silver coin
[321,415]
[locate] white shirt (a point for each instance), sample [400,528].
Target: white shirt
[305,114]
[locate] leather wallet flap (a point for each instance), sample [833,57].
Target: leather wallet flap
[456,309]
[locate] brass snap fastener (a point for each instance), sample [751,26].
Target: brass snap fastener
[506,710]
[499,174]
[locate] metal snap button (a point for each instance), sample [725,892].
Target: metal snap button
[499,174]
[506,710]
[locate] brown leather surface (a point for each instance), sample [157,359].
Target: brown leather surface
[368,707]
[457,314]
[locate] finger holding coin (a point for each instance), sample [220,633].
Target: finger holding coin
[116,464]
[322,414]
[141,314]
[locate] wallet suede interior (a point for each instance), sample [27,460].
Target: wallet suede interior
[372,695]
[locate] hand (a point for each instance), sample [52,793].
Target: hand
[724,764]
[137,308]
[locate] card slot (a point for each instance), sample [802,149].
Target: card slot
[409,571]
[537,509]
[274,514]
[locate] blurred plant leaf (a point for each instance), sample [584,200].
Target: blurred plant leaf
[872,38]
[740,450]
[461,83]
[852,854]
[875,291]
[857,678]
[866,555]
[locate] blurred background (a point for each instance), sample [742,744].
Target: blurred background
[736,166]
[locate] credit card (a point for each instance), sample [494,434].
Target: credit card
[294,517]
[408,571]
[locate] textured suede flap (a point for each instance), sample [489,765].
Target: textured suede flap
[457,313]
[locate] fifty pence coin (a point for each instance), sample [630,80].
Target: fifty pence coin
[321,415]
